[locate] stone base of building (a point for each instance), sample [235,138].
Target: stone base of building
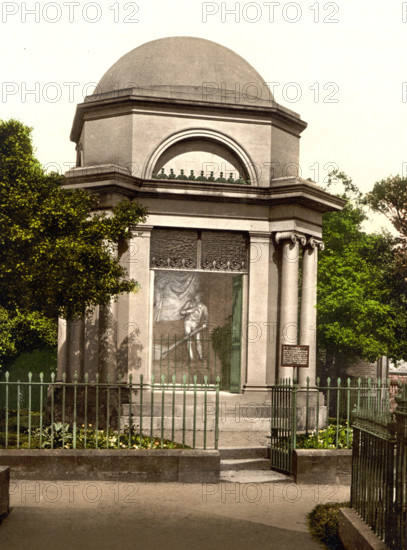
[246,412]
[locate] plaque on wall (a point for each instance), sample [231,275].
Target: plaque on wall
[294,356]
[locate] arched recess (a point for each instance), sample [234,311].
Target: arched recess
[191,135]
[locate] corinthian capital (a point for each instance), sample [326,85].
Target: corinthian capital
[315,243]
[292,236]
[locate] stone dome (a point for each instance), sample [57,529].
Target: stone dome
[182,67]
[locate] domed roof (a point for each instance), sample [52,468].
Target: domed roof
[187,68]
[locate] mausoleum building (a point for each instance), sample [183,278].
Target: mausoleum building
[190,130]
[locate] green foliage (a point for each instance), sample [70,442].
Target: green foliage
[38,361]
[55,247]
[327,438]
[28,331]
[60,436]
[389,196]
[323,524]
[358,311]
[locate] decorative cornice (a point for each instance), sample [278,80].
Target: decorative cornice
[292,236]
[107,179]
[127,99]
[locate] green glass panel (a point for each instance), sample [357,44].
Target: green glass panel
[236,334]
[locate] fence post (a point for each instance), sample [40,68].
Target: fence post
[85,416]
[217,412]
[30,376]
[75,393]
[294,390]
[41,406]
[307,408]
[389,519]
[130,436]
[400,499]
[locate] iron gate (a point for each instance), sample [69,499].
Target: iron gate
[283,426]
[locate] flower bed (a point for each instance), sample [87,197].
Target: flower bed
[62,436]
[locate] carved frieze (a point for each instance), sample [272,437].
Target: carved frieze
[204,250]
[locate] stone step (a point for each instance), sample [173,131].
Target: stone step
[244,464]
[244,452]
[247,477]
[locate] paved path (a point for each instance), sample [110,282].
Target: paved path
[102,515]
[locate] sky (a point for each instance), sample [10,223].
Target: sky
[341,65]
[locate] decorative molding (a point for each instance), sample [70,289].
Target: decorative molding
[315,243]
[204,133]
[224,265]
[206,250]
[292,236]
[173,263]
[259,236]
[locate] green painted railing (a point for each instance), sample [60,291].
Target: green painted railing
[341,400]
[119,414]
[379,466]
[283,425]
[319,416]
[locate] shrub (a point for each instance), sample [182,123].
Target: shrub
[60,436]
[323,524]
[326,439]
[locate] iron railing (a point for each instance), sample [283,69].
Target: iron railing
[283,426]
[379,467]
[109,414]
[319,416]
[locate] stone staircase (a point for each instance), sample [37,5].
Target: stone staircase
[244,458]
[248,465]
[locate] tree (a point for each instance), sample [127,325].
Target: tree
[54,247]
[358,307]
[389,197]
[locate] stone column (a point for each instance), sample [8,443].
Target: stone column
[256,328]
[139,325]
[107,349]
[62,347]
[308,319]
[91,348]
[288,329]
[77,343]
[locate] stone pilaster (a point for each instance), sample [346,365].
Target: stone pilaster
[139,324]
[256,333]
